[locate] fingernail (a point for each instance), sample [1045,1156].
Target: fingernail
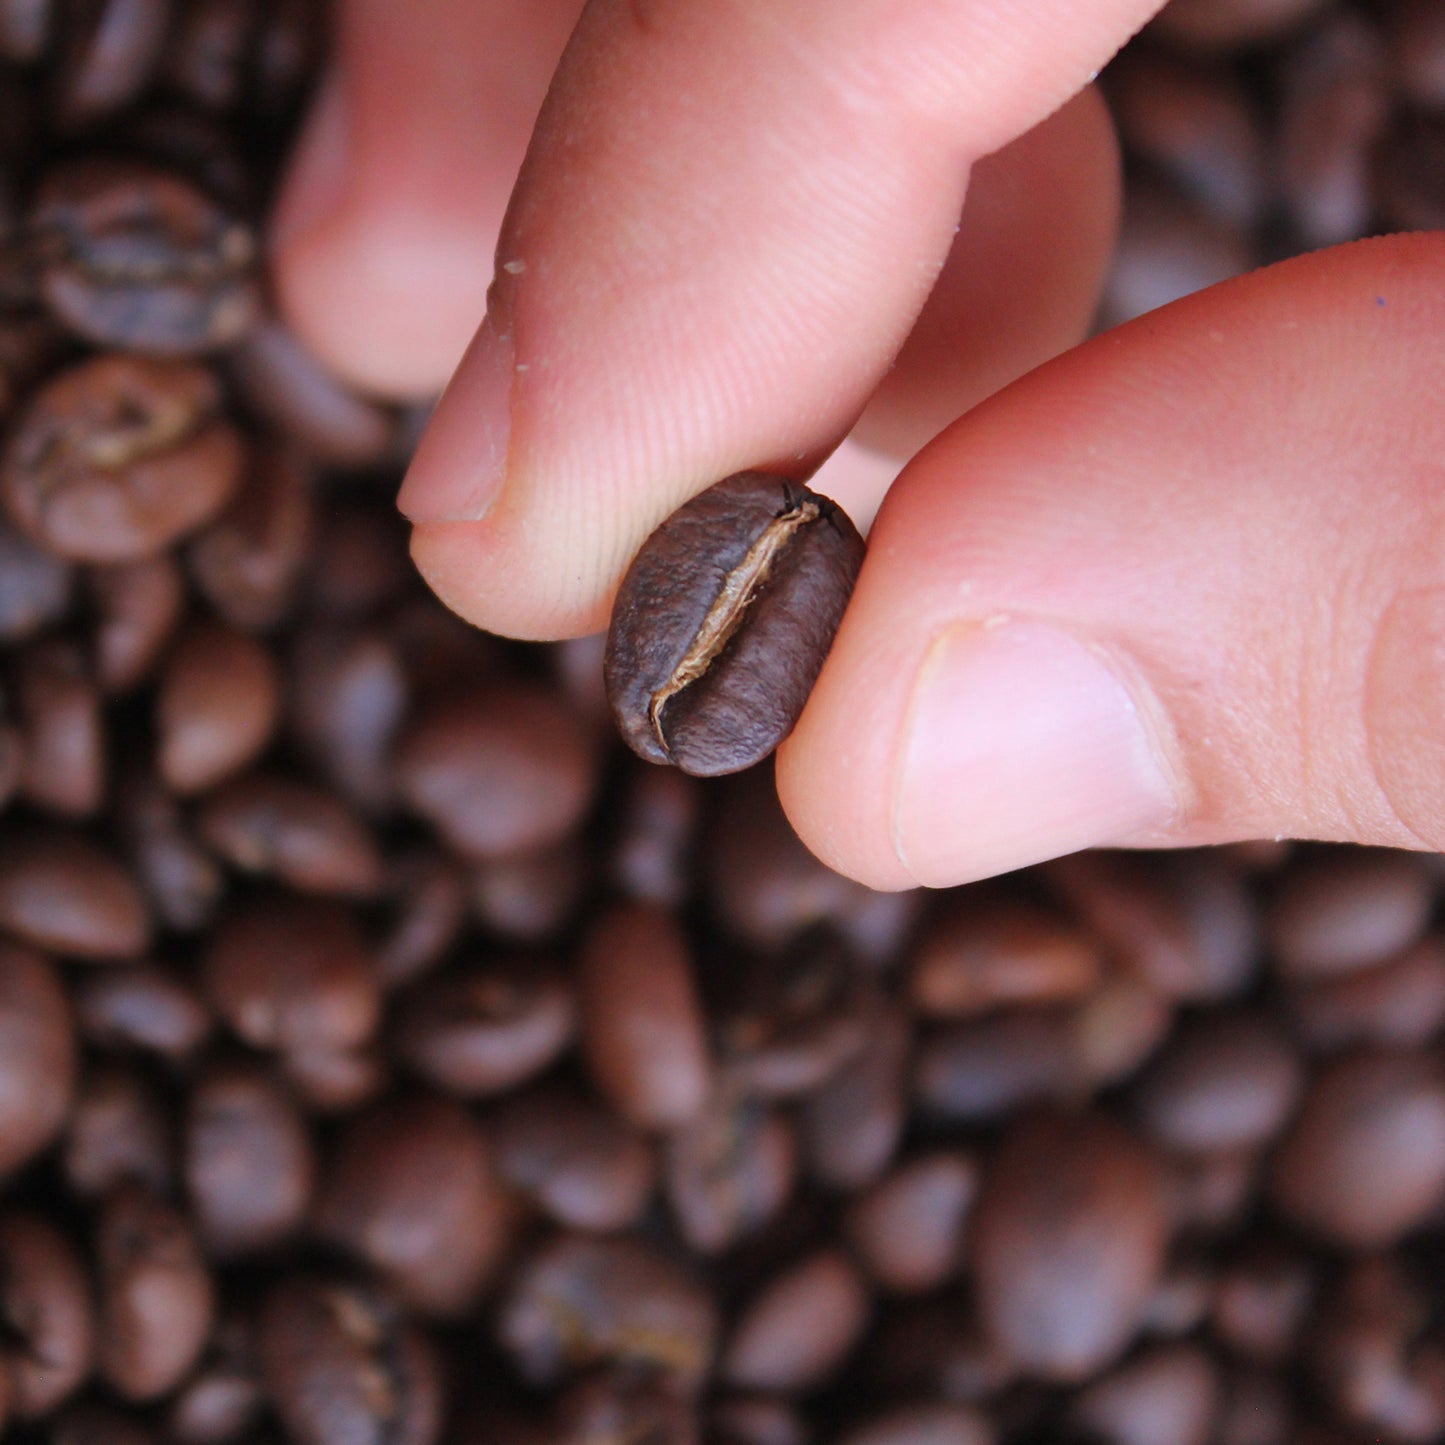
[1024,743]
[461,462]
[317,180]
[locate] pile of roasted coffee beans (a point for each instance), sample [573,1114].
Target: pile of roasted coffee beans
[388,1057]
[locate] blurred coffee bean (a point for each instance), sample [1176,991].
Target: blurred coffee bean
[1165,1396]
[222,1399]
[342,1366]
[46,1304]
[427,896]
[1415,35]
[1222,1082]
[289,50]
[983,954]
[579,1302]
[531,897]
[922,1425]
[979,1072]
[1213,25]
[607,1409]
[1347,908]
[108,53]
[482,1030]
[117,1131]
[503,770]
[642,1026]
[574,1158]
[1114,1031]
[1068,1241]
[357,571]
[92,1424]
[754,1420]
[1254,1408]
[38,1056]
[1397,1003]
[850,1127]
[802,1325]
[248,562]
[189,143]
[1212,1192]
[292,973]
[1410,162]
[58,891]
[410,1190]
[34,587]
[909,1228]
[145,1008]
[155,1292]
[217,706]
[651,857]
[247,1159]
[728,1171]
[139,605]
[210,44]
[291,389]
[180,879]
[292,831]
[135,257]
[1364,1163]
[1182,1299]
[118,457]
[60,713]
[1262,1302]
[25,28]
[336,1080]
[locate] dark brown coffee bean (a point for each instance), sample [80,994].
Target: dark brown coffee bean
[343,1367]
[799,1328]
[1262,1302]
[484,1030]
[293,831]
[923,1425]
[1165,1396]
[223,1398]
[248,1161]
[729,1171]
[410,1190]
[60,892]
[301,399]
[1212,1192]
[1214,25]
[139,604]
[117,1131]
[642,1026]
[34,587]
[217,707]
[1415,33]
[532,897]
[498,771]
[60,712]
[722,622]
[980,1072]
[1068,1243]
[90,1424]
[580,1302]
[335,1080]
[1347,909]
[983,955]
[754,1420]
[909,1228]
[1222,1082]
[427,893]
[156,1296]
[108,53]
[357,572]
[1181,1301]
[37,1056]
[25,28]
[604,1409]
[115,459]
[136,257]
[182,882]
[652,853]
[1399,1003]
[1409,161]
[1115,1030]
[209,46]
[47,1311]
[187,142]
[248,562]
[146,1008]
[1364,1162]
[574,1158]
[292,974]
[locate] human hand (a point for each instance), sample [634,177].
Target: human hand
[1181,585]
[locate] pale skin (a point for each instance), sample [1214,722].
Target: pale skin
[1182,583]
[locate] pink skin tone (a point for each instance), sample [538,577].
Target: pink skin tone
[1182,583]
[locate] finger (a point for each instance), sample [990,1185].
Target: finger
[1184,584]
[385,229]
[729,218]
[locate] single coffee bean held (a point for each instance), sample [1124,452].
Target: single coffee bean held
[724,619]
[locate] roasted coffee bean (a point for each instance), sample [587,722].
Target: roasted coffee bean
[923,1425]
[343,1367]
[1262,1301]
[61,892]
[142,1008]
[248,1161]
[295,832]
[133,256]
[217,707]
[108,53]
[1397,1003]
[504,770]
[60,712]
[1364,1162]
[979,1072]
[799,1328]
[651,856]
[642,1027]
[180,879]
[483,1030]
[603,1409]
[139,604]
[46,1306]
[223,1397]
[428,893]
[723,620]
[1068,1243]
[117,1131]
[1165,1396]
[90,1424]
[156,1296]
[25,28]
[292,974]
[1213,25]
[574,1158]
[580,1302]
[532,897]
[34,587]
[37,1056]
[336,1080]
[118,457]
[209,46]
[754,1420]
[410,1190]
